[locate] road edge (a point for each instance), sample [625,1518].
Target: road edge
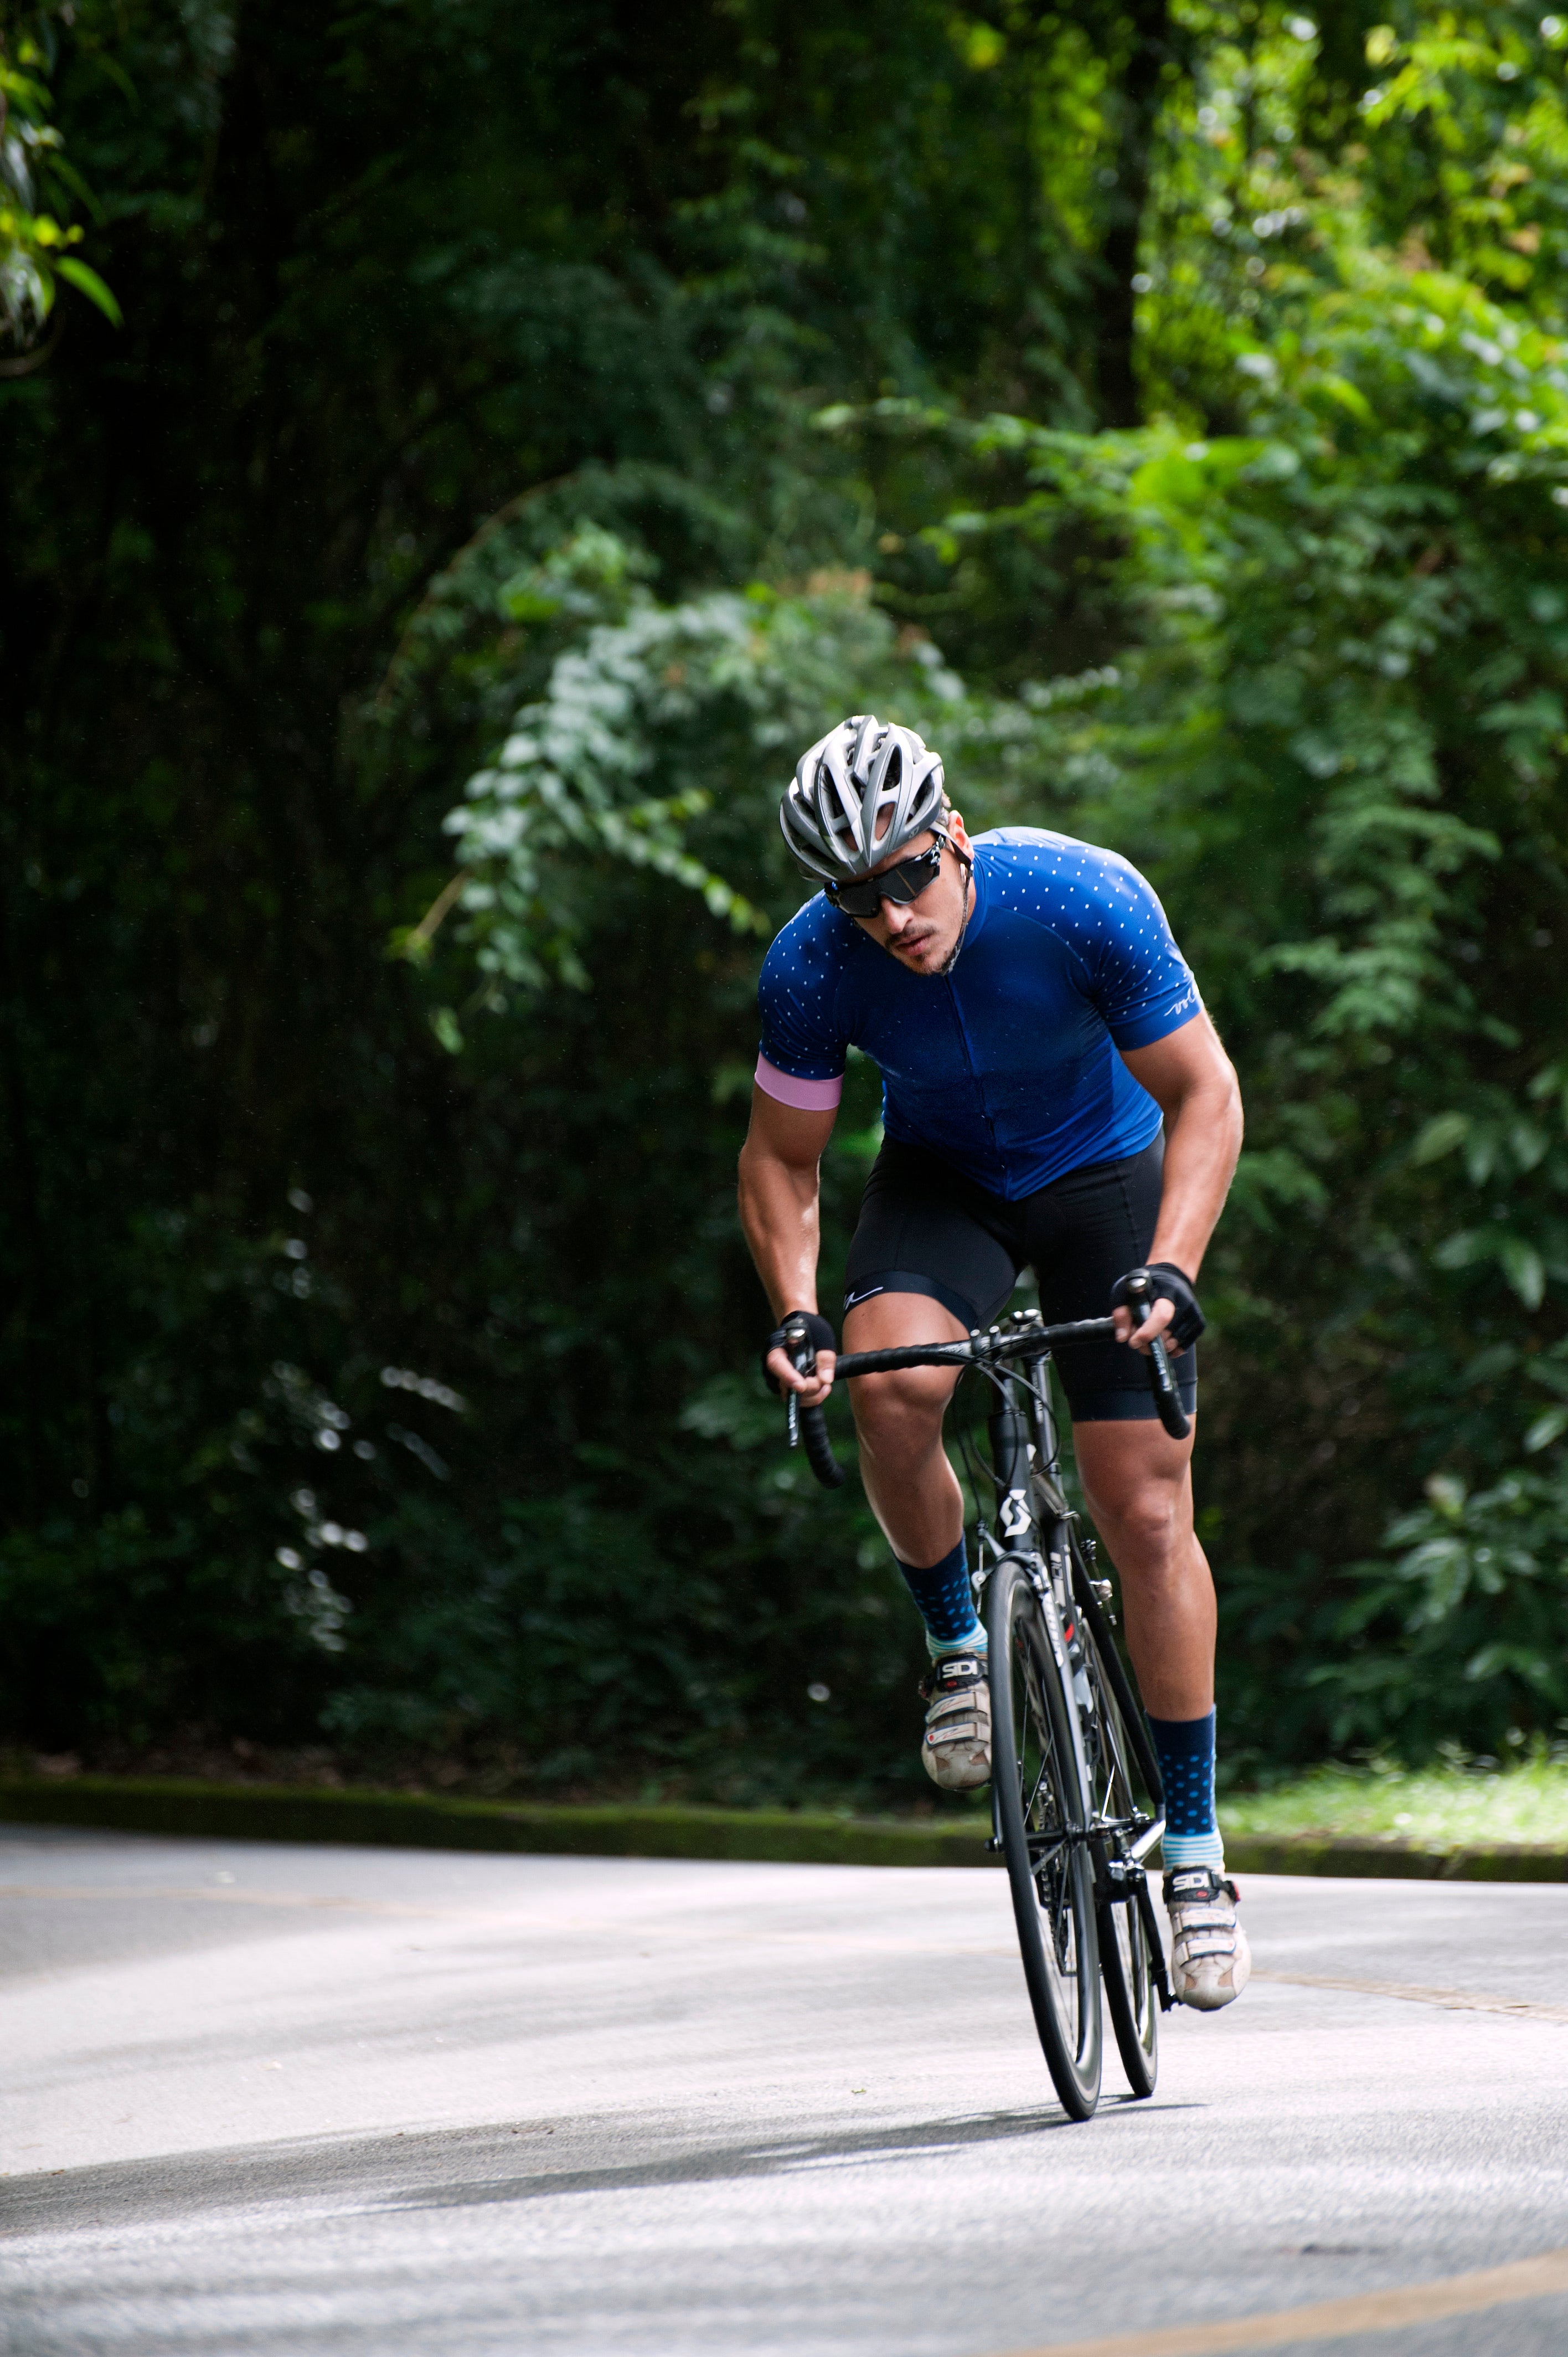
[281,1812]
[429,1821]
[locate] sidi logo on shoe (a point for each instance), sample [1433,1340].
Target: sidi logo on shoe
[1210,1961]
[956,1746]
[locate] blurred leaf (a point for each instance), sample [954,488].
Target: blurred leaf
[87,282]
[1440,1136]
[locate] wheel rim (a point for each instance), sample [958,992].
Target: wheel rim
[1131,1947]
[1043,1782]
[1125,1956]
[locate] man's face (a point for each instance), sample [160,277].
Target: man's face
[923,934]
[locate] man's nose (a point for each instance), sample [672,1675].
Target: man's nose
[894,915]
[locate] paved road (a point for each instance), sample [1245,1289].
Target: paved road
[270,2099]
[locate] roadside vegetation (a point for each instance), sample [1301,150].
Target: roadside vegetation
[430,532]
[1451,1801]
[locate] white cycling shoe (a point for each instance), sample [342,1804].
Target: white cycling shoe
[1210,1961]
[956,1748]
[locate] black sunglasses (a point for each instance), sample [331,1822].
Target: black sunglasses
[902,883]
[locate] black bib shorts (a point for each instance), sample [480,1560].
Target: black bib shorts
[926,1229]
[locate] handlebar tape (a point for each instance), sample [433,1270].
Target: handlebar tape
[820,1449]
[1168,1399]
[1137,1289]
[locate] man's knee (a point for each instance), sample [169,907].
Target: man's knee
[1134,1477]
[897,1414]
[1150,1522]
[1148,1514]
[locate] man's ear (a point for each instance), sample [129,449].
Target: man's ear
[956,829]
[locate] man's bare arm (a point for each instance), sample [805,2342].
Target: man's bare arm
[1193,1082]
[778,1190]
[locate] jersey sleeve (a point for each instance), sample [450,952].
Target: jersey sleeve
[1138,978]
[803,1051]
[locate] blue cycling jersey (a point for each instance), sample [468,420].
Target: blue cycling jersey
[1007,1067]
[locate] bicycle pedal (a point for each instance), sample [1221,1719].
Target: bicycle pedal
[1101,1590]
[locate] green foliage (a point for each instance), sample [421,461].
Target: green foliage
[35,244]
[1169,419]
[1478,1588]
[1459,1799]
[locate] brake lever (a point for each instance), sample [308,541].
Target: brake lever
[812,1428]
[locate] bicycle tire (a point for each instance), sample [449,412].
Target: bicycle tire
[1131,1991]
[1038,1793]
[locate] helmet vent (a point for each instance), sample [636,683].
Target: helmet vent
[858,796]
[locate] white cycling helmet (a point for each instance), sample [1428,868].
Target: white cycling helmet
[862,792]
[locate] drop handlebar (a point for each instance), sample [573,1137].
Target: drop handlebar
[994,1349]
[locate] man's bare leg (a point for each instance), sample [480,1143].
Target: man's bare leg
[913,1491]
[915,1498]
[1137,1484]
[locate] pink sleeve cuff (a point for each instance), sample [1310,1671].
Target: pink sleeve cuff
[809,1097]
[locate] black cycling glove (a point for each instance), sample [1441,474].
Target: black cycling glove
[1166,1283]
[818,1333]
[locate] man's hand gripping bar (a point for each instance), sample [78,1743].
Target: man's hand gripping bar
[1141,1293]
[808,1423]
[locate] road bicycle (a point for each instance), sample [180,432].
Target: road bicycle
[1075,1799]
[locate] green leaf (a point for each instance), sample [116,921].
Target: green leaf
[110,64]
[87,282]
[525,606]
[1440,1136]
[1345,395]
[1545,1431]
[1525,1271]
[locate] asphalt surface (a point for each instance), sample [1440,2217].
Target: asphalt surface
[266,2099]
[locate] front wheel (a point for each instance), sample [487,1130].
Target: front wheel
[1041,1811]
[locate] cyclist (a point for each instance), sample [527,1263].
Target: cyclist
[1054,1095]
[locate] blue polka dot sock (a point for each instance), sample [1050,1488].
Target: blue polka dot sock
[1185,1748]
[946,1601]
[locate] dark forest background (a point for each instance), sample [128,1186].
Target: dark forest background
[554,417]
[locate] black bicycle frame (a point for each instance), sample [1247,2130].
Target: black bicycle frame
[1024,1455]
[1024,1465]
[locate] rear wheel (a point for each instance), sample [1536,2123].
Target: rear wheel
[1040,1808]
[1131,1989]
[1131,1993]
